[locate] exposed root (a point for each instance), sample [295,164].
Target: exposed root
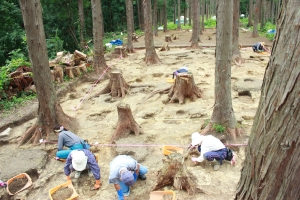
[162,91]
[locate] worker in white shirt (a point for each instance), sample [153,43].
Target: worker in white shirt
[211,148]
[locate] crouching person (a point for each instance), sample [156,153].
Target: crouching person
[79,160]
[211,148]
[124,172]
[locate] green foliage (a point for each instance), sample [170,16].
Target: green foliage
[54,45]
[219,128]
[244,22]
[210,23]
[264,31]
[16,101]
[172,26]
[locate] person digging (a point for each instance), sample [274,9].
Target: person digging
[211,148]
[124,171]
[79,160]
[259,47]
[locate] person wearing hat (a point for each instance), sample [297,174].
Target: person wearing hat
[124,171]
[210,148]
[183,69]
[79,160]
[68,139]
[259,47]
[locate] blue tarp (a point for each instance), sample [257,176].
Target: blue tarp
[271,31]
[116,42]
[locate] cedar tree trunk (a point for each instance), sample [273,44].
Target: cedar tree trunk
[271,168]
[50,112]
[126,123]
[256,18]
[223,113]
[165,16]
[196,25]
[82,26]
[99,61]
[178,15]
[151,56]
[129,17]
[250,22]
[155,18]
[236,54]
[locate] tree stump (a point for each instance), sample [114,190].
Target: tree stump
[79,56]
[69,72]
[126,123]
[175,37]
[57,74]
[117,85]
[168,38]
[174,173]
[184,87]
[134,38]
[82,67]
[165,47]
[119,52]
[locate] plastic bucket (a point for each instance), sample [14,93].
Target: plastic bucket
[159,195]
[28,184]
[67,184]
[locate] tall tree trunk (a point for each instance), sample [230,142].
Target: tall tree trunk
[190,12]
[165,16]
[139,12]
[155,18]
[250,21]
[196,25]
[99,61]
[206,10]
[263,15]
[142,25]
[272,166]
[178,15]
[236,54]
[185,12]
[129,15]
[174,11]
[82,26]
[256,18]
[202,15]
[151,56]
[272,12]
[50,112]
[223,113]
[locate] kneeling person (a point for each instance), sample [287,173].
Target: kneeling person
[124,171]
[210,148]
[79,160]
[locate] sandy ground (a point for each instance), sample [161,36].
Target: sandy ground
[163,124]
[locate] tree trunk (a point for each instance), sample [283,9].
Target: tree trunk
[236,54]
[190,12]
[165,17]
[50,112]
[223,113]
[119,52]
[272,12]
[139,12]
[202,16]
[129,16]
[206,10]
[196,28]
[263,14]
[117,86]
[174,12]
[256,18]
[151,56]
[175,173]
[184,12]
[126,123]
[272,165]
[178,15]
[82,26]
[250,21]
[184,87]
[155,18]
[99,63]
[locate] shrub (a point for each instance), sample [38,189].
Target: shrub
[219,128]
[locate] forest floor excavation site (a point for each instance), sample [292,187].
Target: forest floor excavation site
[162,123]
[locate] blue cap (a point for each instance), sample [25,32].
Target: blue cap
[127,178]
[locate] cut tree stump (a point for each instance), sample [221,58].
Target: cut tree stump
[79,56]
[119,52]
[126,123]
[168,38]
[175,173]
[134,38]
[69,72]
[184,87]
[165,47]
[116,86]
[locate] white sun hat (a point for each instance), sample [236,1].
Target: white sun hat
[197,138]
[79,160]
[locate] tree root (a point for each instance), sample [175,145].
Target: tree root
[162,91]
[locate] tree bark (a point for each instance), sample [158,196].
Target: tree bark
[175,173]
[190,12]
[126,123]
[250,21]
[184,87]
[82,26]
[50,112]
[272,165]
[165,16]
[202,16]
[99,63]
[155,31]
[151,56]
[236,54]
[129,17]
[223,113]
[178,15]
[196,28]
[256,18]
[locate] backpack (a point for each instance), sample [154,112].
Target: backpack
[229,155]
